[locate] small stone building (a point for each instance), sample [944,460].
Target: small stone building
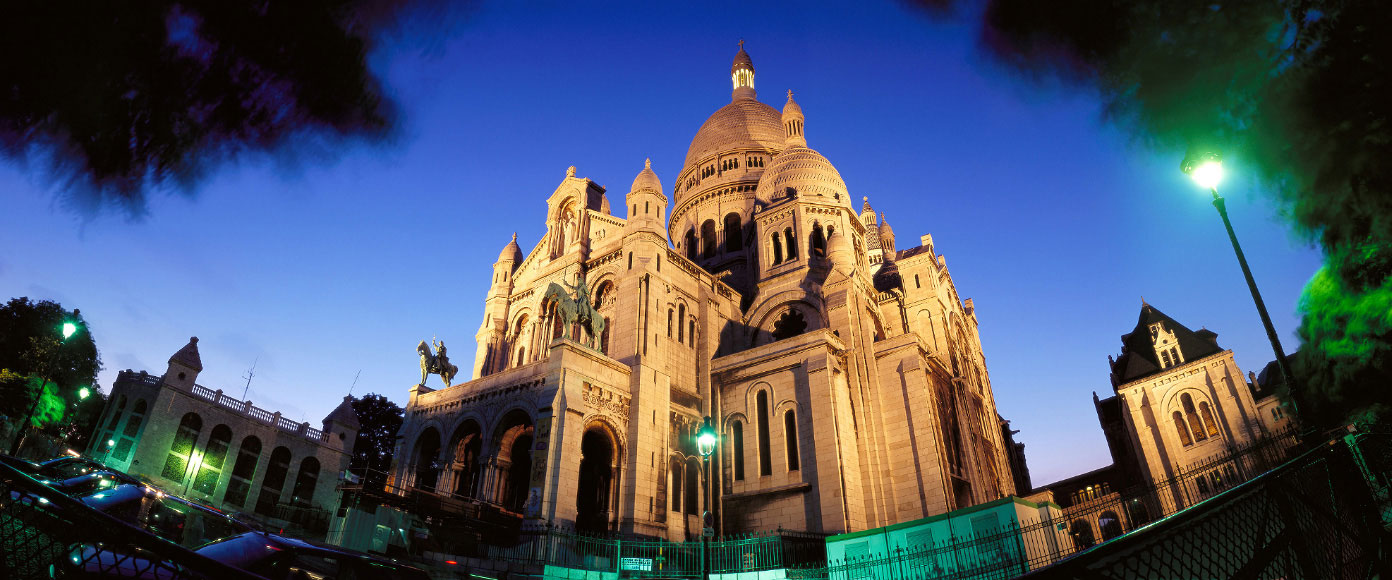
[196,442]
[844,375]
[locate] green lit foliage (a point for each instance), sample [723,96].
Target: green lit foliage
[1298,94]
[17,393]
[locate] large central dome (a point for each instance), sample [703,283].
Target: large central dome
[742,124]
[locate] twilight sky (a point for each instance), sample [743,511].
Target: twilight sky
[1053,221]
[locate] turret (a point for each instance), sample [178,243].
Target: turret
[490,333]
[341,425]
[873,250]
[792,123]
[886,237]
[647,206]
[503,269]
[184,366]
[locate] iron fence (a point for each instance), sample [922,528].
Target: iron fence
[1317,516]
[46,534]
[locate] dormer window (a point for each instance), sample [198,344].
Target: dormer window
[1166,346]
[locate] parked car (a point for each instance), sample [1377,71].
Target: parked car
[267,555]
[173,518]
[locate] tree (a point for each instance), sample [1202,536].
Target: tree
[37,364]
[380,419]
[1299,92]
[122,98]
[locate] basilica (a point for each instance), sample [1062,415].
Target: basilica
[840,370]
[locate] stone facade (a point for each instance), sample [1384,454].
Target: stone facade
[845,377]
[201,444]
[1178,422]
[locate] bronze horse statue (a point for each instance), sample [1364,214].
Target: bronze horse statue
[436,364]
[577,310]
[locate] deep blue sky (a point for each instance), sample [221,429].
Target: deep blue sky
[1053,221]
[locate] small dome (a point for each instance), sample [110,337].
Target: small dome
[802,172]
[791,108]
[888,278]
[646,180]
[511,252]
[741,60]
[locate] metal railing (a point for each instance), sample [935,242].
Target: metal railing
[1316,517]
[46,534]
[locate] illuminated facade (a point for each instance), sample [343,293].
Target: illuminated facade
[844,375]
[199,443]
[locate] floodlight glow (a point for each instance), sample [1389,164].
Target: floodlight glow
[1208,174]
[705,439]
[83,393]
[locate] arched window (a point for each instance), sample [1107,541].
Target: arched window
[557,325]
[676,469]
[765,457]
[708,239]
[1182,429]
[1209,425]
[916,281]
[681,316]
[693,487]
[792,243]
[691,244]
[108,437]
[131,432]
[1110,525]
[790,437]
[305,480]
[777,249]
[1195,426]
[176,464]
[274,482]
[1082,534]
[671,316]
[737,439]
[213,456]
[818,242]
[630,260]
[604,337]
[521,355]
[691,333]
[734,240]
[242,472]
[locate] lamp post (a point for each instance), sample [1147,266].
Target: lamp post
[69,328]
[1206,169]
[706,438]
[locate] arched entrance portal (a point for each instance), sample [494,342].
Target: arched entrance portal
[597,467]
[467,446]
[514,460]
[425,460]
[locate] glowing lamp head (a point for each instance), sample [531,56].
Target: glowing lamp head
[68,329]
[705,438]
[83,393]
[1206,169]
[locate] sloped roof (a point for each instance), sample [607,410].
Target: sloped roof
[188,356]
[1138,358]
[343,414]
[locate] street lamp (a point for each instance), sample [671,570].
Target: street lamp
[1206,169]
[706,439]
[69,328]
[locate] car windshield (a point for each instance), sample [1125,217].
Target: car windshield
[67,467]
[188,525]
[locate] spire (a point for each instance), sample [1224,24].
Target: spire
[742,75]
[865,207]
[188,356]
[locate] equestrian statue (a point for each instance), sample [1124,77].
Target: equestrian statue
[577,309]
[436,364]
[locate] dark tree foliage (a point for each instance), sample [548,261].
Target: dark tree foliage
[123,98]
[1298,93]
[372,452]
[31,343]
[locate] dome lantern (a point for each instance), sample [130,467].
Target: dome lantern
[742,75]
